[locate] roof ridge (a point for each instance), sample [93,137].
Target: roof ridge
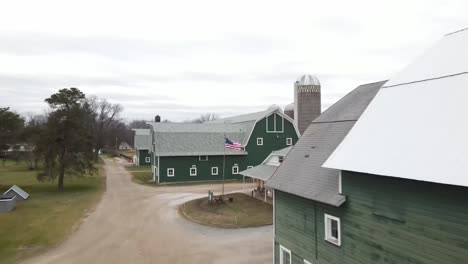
[456,32]
[426,80]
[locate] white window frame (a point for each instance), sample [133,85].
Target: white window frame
[235,167]
[193,168]
[217,171]
[169,174]
[289,141]
[328,230]
[283,249]
[259,141]
[340,183]
[200,158]
[274,124]
[148,159]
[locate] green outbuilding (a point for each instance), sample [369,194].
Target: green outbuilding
[142,147]
[189,152]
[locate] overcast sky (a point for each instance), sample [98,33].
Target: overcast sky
[183,58]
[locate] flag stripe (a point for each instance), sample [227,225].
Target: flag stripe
[232,145]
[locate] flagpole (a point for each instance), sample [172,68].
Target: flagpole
[224,160]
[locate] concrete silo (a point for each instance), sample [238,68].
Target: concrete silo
[307,101]
[289,110]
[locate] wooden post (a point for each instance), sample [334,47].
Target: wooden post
[224,161]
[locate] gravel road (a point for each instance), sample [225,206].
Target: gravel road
[140,224]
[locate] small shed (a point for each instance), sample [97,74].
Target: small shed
[7,203]
[18,192]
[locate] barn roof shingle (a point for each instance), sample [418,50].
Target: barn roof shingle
[301,173]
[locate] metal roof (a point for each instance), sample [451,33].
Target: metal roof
[301,173]
[251,117]
[195,144]
[262,172]
[19,191]
[307,80]
[189,139]
[142,139]
[415,128]
[265,170]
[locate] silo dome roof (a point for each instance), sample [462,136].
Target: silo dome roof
[274,107]
[289,107]
[308,80]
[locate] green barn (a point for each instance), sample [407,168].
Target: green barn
[187,152]
[391,187]
[304,192]
[142,146]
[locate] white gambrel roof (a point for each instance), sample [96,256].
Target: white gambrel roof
[18,191]
[416,127]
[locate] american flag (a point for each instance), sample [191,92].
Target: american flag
[231,144]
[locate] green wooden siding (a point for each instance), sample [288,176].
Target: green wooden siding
[142,155]
[384,220]
[271,140]
[182,167]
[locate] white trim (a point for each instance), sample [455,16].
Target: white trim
[18,191]
[193,168]
[261,139]
[328,235]
[289,141]
[9,199]
[159,169]
[279,113]
[340,184]
[283,249]
[274,224]
[217,171]
[200,158]
[173,172]
[235,166]
[274,123]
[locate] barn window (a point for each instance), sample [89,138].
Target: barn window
[193,171]
[259,141]
[148,159]
[203,158]
[170,172]
[274,123]
[285,255]
[289,141]
[235,169]
[214,170]
[332,230]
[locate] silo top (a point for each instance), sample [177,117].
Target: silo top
[289,107]
[274,107]
[308,80]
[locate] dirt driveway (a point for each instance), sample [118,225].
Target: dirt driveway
[140,224]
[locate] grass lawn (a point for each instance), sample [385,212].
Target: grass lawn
[245,211]
[141,175]
[47,217]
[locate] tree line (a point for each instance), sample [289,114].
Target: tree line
[67,139]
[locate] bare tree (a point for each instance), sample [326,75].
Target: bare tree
[138,124]
[206,118]
[105,114]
